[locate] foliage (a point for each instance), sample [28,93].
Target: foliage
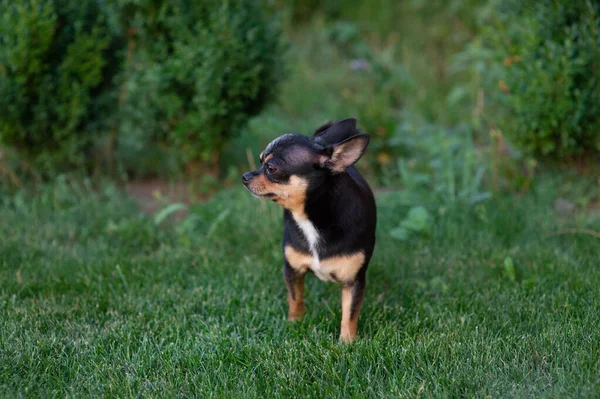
[385,74]
[301,11]
[144,75]
[52,65]
[545,70]
[417,221]
[444,163]
[198,71]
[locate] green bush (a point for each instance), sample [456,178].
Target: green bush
[51,65]
[301,11]
[133,75]
[547,75]
[199,71]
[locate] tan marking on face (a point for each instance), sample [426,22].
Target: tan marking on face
[268,158]
[296,306]
[290,195]
[299,261]
[260,156]
[343,267]
[349,325]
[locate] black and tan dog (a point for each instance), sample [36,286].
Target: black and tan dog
[329,214]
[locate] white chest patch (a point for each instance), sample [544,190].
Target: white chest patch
[312,236]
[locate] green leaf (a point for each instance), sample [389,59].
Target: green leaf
[417,219]
[172,208]
[457,94]
[475,198]
[509,269]
[218,220]
[400,233]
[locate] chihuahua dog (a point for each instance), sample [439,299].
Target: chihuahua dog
[329,212]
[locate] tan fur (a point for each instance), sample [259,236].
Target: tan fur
[291,195]
[296,306]
[343,267]
[349,325]
[268,158]
[298,261]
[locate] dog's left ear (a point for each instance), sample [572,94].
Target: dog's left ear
[334,132]
[337,157]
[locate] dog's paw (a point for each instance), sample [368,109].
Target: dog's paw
[296,316]
[346,337]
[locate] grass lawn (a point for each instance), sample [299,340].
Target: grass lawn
[95,300]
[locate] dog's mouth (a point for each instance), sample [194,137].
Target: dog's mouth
[266,196]
[262,196]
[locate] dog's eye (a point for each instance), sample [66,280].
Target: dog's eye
[270,169]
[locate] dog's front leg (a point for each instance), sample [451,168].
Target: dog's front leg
[294,280]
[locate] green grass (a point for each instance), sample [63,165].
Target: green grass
[95,300]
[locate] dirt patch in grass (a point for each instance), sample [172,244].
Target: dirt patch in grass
[153,194]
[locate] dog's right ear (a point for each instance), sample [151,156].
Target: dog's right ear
[338,157]
[335,132]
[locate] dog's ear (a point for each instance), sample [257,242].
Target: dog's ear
[319,131]
[335,132]
[337,157]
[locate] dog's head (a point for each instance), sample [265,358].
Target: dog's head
[293,164]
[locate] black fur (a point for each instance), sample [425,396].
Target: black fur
[290,276]
[342,209]
[335,132]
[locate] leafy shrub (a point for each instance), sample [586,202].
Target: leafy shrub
[417,221]
[445,165]
[303,10]
[547,64]
[139,76]
[51,64]
[198,72]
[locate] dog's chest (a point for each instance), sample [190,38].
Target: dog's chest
[340,268]
[313,238]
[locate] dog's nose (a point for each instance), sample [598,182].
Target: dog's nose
[246,177]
